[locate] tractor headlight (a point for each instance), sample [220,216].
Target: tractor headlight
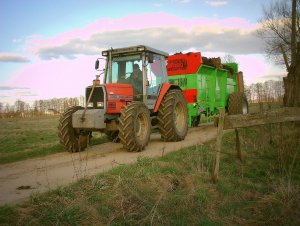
[100,104]
[90,105]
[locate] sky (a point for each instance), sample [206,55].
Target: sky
[48,48]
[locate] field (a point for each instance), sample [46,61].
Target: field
[177,189]
[23,138]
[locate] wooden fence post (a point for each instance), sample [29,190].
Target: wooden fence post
[215,173]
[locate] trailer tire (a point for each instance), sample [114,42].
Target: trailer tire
[237,104]
[172,116]
[69,137]
[134,126]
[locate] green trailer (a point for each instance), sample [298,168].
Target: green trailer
[207,84]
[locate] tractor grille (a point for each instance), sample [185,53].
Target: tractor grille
[96,98]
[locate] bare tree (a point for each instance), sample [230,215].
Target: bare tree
[280,28]
[19,106]
[228,59]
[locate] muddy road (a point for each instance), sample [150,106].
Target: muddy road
[18,180]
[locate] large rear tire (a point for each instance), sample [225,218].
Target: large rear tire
[172,116]
[134,126]
[237,104]
[69,137]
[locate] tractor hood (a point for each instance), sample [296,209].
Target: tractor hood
[118,95]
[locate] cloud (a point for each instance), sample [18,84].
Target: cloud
[183,1]
[17,40]
[216,3]
[275,76]
[26,94]
[69,50]
[174,40]
[157,4]
[54,78]
[160,30]
[11,88]
[13,58]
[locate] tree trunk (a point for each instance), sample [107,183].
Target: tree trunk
[289,84]
[292,81]
[292,87]
[297,78]
[294,34]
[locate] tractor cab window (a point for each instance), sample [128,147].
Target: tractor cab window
[156,74]
[122,68]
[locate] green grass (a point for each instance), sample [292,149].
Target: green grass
[255,107]
[24,138]
[177,189]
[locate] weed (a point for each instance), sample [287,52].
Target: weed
[7,215]
[177,190]
[26,138]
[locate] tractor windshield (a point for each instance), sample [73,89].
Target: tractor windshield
[123,68]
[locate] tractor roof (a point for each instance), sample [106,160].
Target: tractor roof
[134,49]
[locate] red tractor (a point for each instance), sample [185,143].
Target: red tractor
[134,98]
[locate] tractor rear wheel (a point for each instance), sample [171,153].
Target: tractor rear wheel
[135,126]
[172,116]
[237,104]
[69,137]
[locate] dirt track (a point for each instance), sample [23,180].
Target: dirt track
[19,180]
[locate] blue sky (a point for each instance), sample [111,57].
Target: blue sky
[42,41]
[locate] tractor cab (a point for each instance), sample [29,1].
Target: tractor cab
[140,67]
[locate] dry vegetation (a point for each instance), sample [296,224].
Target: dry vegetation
[177,190]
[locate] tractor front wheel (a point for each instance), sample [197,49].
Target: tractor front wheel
[172,116]
[134,126]
[69,137]
[237,104]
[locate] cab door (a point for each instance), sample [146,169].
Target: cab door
[156,76]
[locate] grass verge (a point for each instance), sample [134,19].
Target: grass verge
[26,138]
[176,189]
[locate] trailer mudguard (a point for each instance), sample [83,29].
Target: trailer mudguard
[164,89]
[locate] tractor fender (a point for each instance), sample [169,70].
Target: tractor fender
[164,89]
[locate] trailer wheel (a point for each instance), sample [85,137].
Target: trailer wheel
[172,116]
[237,104]
[69,137]
[135,126]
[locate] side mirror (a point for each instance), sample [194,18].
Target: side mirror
[150,58]
[97,64]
